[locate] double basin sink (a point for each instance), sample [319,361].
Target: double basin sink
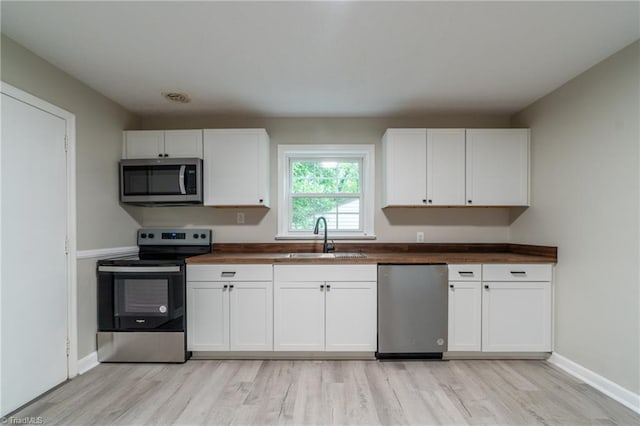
[327,255]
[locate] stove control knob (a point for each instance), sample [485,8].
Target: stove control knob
[195,235]
[151,235]
[143,235]
[203,236]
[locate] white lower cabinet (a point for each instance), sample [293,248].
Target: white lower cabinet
[227,313]
[336,311]
[504,308]
[465,316]
[516,317]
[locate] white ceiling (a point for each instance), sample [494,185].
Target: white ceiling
[323,58]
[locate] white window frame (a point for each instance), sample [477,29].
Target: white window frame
[365,153]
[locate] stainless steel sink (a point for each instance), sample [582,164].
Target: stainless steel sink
[327,255]
[350,256]
[311,256]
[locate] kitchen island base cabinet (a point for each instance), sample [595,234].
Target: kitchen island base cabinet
[230,315]
[336,312]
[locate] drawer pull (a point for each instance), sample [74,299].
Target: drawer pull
[228,274]
[466,273]
[518,273]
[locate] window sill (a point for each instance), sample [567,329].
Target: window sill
[316,238]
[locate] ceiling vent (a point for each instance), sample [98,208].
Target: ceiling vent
[178,97]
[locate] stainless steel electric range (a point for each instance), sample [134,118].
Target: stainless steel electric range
[142,299]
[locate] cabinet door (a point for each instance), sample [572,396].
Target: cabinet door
[143,144]
[183,143]
[298,317]
[516,317]
[236,167]
[445,167]
[404,156]
[351,316]
[465,319]
[251,309]
[497,167]
[207,316]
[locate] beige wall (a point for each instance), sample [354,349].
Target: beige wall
[585,194]
[391,225]
[102,223]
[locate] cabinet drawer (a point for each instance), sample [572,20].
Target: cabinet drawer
[516,272]
[465,272]
[229,272]
[325,273]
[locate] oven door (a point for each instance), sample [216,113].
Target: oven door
[149,298]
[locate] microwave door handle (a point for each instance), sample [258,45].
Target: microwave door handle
[183,190]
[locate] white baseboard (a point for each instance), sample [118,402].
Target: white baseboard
[88,362]
[604,385]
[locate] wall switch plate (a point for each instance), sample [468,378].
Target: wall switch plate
[420,237]
[240,218]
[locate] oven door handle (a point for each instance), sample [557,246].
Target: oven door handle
[138,269]
[183,190]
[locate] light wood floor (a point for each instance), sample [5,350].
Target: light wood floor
[328,392]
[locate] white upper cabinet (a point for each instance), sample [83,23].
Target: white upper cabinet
[404,154]
[455,167]
[183,143]
[445,167]
[497,167]
[162,144]
[236,167]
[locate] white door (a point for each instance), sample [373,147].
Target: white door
[183,143]
[404,155]
[251,310]
[516,317]
[445,167]
[34,264]
[497,167]
[351,316]
[208,316]
[298,317]
[465,318]
[144,143]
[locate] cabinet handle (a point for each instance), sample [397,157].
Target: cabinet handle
[518,273]
[321,287]
[451,286]
[429,201]
[166,155]
[260,200]
[466,273]
[231,287]
[228,274]
[469,202]
[159,155]
[224,287]
[424,200]
[486,286]
[328,287]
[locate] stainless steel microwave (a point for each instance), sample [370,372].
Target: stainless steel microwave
[161,182]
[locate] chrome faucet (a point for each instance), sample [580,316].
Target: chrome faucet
[326,247]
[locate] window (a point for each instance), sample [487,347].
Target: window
[332,181]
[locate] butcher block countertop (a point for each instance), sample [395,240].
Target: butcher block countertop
[379,253]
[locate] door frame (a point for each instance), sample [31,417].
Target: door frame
[72,280]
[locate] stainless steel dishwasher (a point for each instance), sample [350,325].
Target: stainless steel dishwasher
[412,311]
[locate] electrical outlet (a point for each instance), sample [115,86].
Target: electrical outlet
[240,218]
[420,237]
